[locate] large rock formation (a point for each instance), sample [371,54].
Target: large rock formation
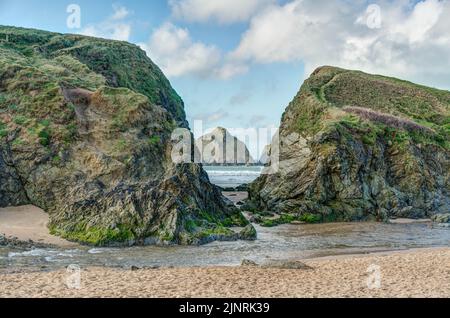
[85,134]
[355,146]
[221,148]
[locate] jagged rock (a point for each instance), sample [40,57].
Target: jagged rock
[85,134]
[354,146]
[287,265]
[16,243]
[248,263]
[441,218]
[248,233]
[221,148]
[11,189]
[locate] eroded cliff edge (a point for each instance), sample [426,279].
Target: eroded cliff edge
[85,134]
[355,146]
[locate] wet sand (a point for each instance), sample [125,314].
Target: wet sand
[236,196]
[28,223]
[418,273]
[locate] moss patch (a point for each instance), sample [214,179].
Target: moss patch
[289,218]
[96,236]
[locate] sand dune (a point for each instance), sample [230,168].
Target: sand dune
[420,273]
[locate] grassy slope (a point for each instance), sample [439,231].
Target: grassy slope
[121,64]
[35,65]
[321,104]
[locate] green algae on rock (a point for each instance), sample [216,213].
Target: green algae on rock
[355,146]
[85,134]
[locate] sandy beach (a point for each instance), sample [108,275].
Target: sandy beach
[27,223]
[410,273]
[416,273]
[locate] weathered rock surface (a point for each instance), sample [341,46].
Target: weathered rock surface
[355,146]
[13,242]
[85,134]
[441,218]
[249,233]
[287,265]
[221,148]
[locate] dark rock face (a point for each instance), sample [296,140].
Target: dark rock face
[86,135]
[441,218]
[249,233]
[387,155]
[11,188]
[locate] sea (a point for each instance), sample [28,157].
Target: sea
[233,176]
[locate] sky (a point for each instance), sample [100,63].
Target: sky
[238,63]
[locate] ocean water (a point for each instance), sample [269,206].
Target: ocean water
[233,176]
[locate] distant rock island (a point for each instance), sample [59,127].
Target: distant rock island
[265,155]
[85,134]
[221,148]
[355,146]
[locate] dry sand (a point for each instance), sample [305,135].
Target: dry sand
[28,223]
[418,273]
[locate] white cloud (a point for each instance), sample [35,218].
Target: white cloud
[412,41]
[177,54]
[120,13]
[230,69]
[114,27]
[422,19]
[222,11]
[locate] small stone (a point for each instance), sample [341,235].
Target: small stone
[249,263]
[441,218]
[287,265]
[152,267]
[248,233]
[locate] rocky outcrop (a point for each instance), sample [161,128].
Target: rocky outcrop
[86,135]
[221,148]
[441,218]
[12,192]
[355,146]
